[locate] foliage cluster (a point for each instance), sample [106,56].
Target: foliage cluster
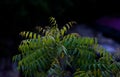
[55,54]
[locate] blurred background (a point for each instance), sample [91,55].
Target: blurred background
[99,19]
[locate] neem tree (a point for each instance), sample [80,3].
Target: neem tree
[55,54]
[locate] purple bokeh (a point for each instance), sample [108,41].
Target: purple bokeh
[110,22]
